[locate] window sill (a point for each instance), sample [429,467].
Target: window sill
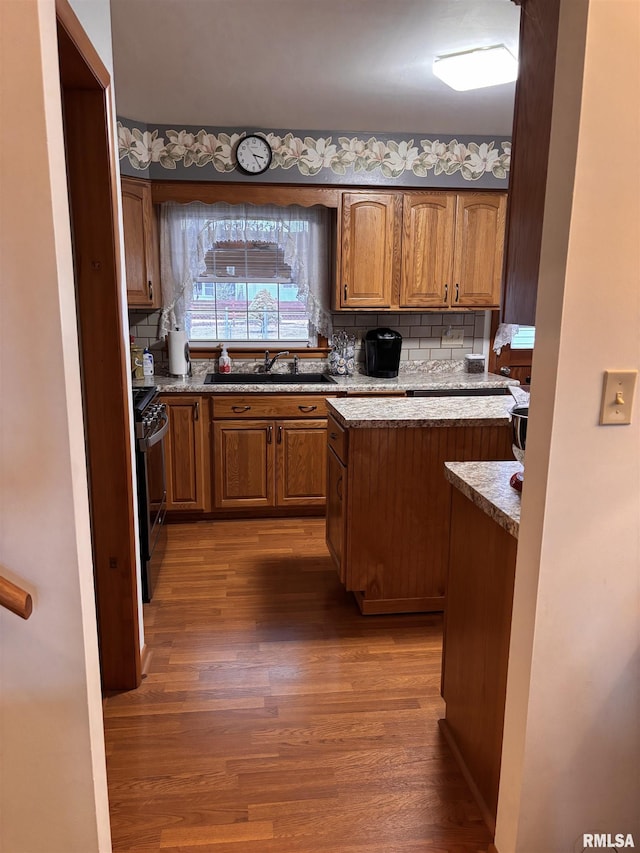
[256,354]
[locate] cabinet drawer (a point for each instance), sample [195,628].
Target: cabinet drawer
[252,406]
[337,439]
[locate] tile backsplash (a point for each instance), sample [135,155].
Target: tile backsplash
[421,332]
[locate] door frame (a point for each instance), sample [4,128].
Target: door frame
[93,209]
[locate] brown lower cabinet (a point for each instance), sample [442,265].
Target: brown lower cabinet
[269,452]
[187,453]
[265,463]
[232,454]
[388,509]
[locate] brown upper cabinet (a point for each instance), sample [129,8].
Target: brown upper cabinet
[419,250]
[368,241]
[140,245]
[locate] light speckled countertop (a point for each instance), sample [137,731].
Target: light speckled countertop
[358,383]
[421,411]
[486,484]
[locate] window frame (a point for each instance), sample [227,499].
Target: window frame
[284,195]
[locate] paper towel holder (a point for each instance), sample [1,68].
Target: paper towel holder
[179,358]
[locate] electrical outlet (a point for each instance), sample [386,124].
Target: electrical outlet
[618,390]
[452,337]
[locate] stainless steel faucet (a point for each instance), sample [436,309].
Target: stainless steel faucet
[269,362]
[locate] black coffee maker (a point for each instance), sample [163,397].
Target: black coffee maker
[382,353]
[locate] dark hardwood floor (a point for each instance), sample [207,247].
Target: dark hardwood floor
[274,717]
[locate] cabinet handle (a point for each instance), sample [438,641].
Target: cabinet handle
[150,290]
[333,435]
[457,291]
[196,411]
[307,408]
[345,291]
[240,408]
[446,293]
[269,434]
[339,487]
[279,435]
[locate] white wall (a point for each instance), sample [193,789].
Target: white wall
[572,734]
[53,795]
[95,17]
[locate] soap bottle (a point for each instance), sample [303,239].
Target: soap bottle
[147,362]
[224,362]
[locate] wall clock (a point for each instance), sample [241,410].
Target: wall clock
[253,155]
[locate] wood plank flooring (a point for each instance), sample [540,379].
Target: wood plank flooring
[274,718]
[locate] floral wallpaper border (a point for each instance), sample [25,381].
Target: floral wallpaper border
[334,157]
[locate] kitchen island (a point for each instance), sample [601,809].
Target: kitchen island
[388,503]
[485,518]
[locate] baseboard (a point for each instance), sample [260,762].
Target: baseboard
[380,606]
[182,516]
[487,817]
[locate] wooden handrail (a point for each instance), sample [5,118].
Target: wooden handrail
[15,599]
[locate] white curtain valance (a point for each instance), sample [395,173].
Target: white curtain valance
[189,231]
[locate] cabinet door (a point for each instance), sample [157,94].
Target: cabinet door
[368,240]
[336,512]
[428,224]
[243,464]
[186,453]
[479,247]
[302,463]
[140,245]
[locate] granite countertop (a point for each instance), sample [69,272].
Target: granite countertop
[421,411]
[486,484]
[358,383]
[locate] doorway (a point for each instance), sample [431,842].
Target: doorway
[92,187]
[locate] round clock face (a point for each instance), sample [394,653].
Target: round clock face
[253,154]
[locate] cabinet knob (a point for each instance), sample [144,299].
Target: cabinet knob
[345,291]
[240,408]
[339,487]
[446,293]
[196,411]
[269,434]
[457,291]
[150,290]
[307,408]
[279,435]
[333,435]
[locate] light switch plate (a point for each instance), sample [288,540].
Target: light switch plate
[452,338]
[618,391]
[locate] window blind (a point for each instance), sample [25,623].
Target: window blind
[247,261]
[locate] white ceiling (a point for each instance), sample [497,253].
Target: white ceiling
[360,65]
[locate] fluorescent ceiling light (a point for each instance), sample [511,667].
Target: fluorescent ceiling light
[476,69]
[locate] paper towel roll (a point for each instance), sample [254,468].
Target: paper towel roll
[179,361]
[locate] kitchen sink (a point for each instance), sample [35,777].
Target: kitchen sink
[265,378]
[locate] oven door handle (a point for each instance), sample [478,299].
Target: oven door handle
[146,444]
